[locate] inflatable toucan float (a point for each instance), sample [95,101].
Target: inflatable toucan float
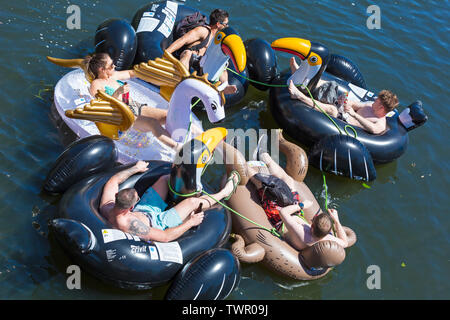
[196,265]
[333,147]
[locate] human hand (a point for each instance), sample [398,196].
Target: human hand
[333,214]
[342,100]
[196,218]
[141,166]
[122,89]
[349,109]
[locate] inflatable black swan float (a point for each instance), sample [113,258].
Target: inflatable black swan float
[331,149]
[195,263]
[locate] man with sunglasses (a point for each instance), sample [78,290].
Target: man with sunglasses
[197,40]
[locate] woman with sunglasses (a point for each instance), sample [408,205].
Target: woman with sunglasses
[101,70]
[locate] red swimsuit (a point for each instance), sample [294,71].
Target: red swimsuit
[272,209]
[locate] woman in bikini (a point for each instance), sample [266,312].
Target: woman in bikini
[101,68]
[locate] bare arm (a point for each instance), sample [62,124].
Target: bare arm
[192,36]
[124,74]
[145,232]
[112,186]
[372,127]
[292,223]
[341,236]
[356,105]
[297,94]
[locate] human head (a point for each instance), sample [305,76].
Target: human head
[126,199]
[99,64]
[388,100]
[219,16]
[321,225]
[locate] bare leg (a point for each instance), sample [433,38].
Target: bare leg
[146,124]
[161,186]
[185,58]
[230,89]
[251,174]
[293,64]
[297,94]
[277,171]
[187,206]
[155,113]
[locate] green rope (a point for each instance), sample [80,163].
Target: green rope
[272,231]
[309,92]
[257,82]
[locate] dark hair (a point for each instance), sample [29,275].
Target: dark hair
[95,62]
[388,99]
[321,225]
[218,15]
[125,198]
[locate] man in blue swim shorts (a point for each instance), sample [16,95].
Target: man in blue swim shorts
[147,217]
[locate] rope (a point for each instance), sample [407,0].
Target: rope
[309,92]
[272,231]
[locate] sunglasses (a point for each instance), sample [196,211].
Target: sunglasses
[112,66]
[224,24]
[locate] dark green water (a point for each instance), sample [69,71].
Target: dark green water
[402,222]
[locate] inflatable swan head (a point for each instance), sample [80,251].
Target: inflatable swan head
[191,162]
[226,45]
[314,58]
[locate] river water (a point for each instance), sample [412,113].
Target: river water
[400,218]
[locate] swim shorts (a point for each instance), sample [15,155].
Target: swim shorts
[272,209]
[153,207]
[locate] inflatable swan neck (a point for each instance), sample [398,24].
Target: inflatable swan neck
[179,111]
[314,59]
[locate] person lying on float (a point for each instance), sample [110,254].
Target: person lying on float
[208,40]
[147,217]
[301,234]
[101,69]
[371,116]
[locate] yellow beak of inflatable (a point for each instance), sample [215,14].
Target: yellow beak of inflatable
[296,46]
[299,47]
[233,47]
[210,139]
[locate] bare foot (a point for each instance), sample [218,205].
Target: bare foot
[233,180]
[230,89]
[293,64]
[294,91]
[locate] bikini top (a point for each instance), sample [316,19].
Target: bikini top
[110,90]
